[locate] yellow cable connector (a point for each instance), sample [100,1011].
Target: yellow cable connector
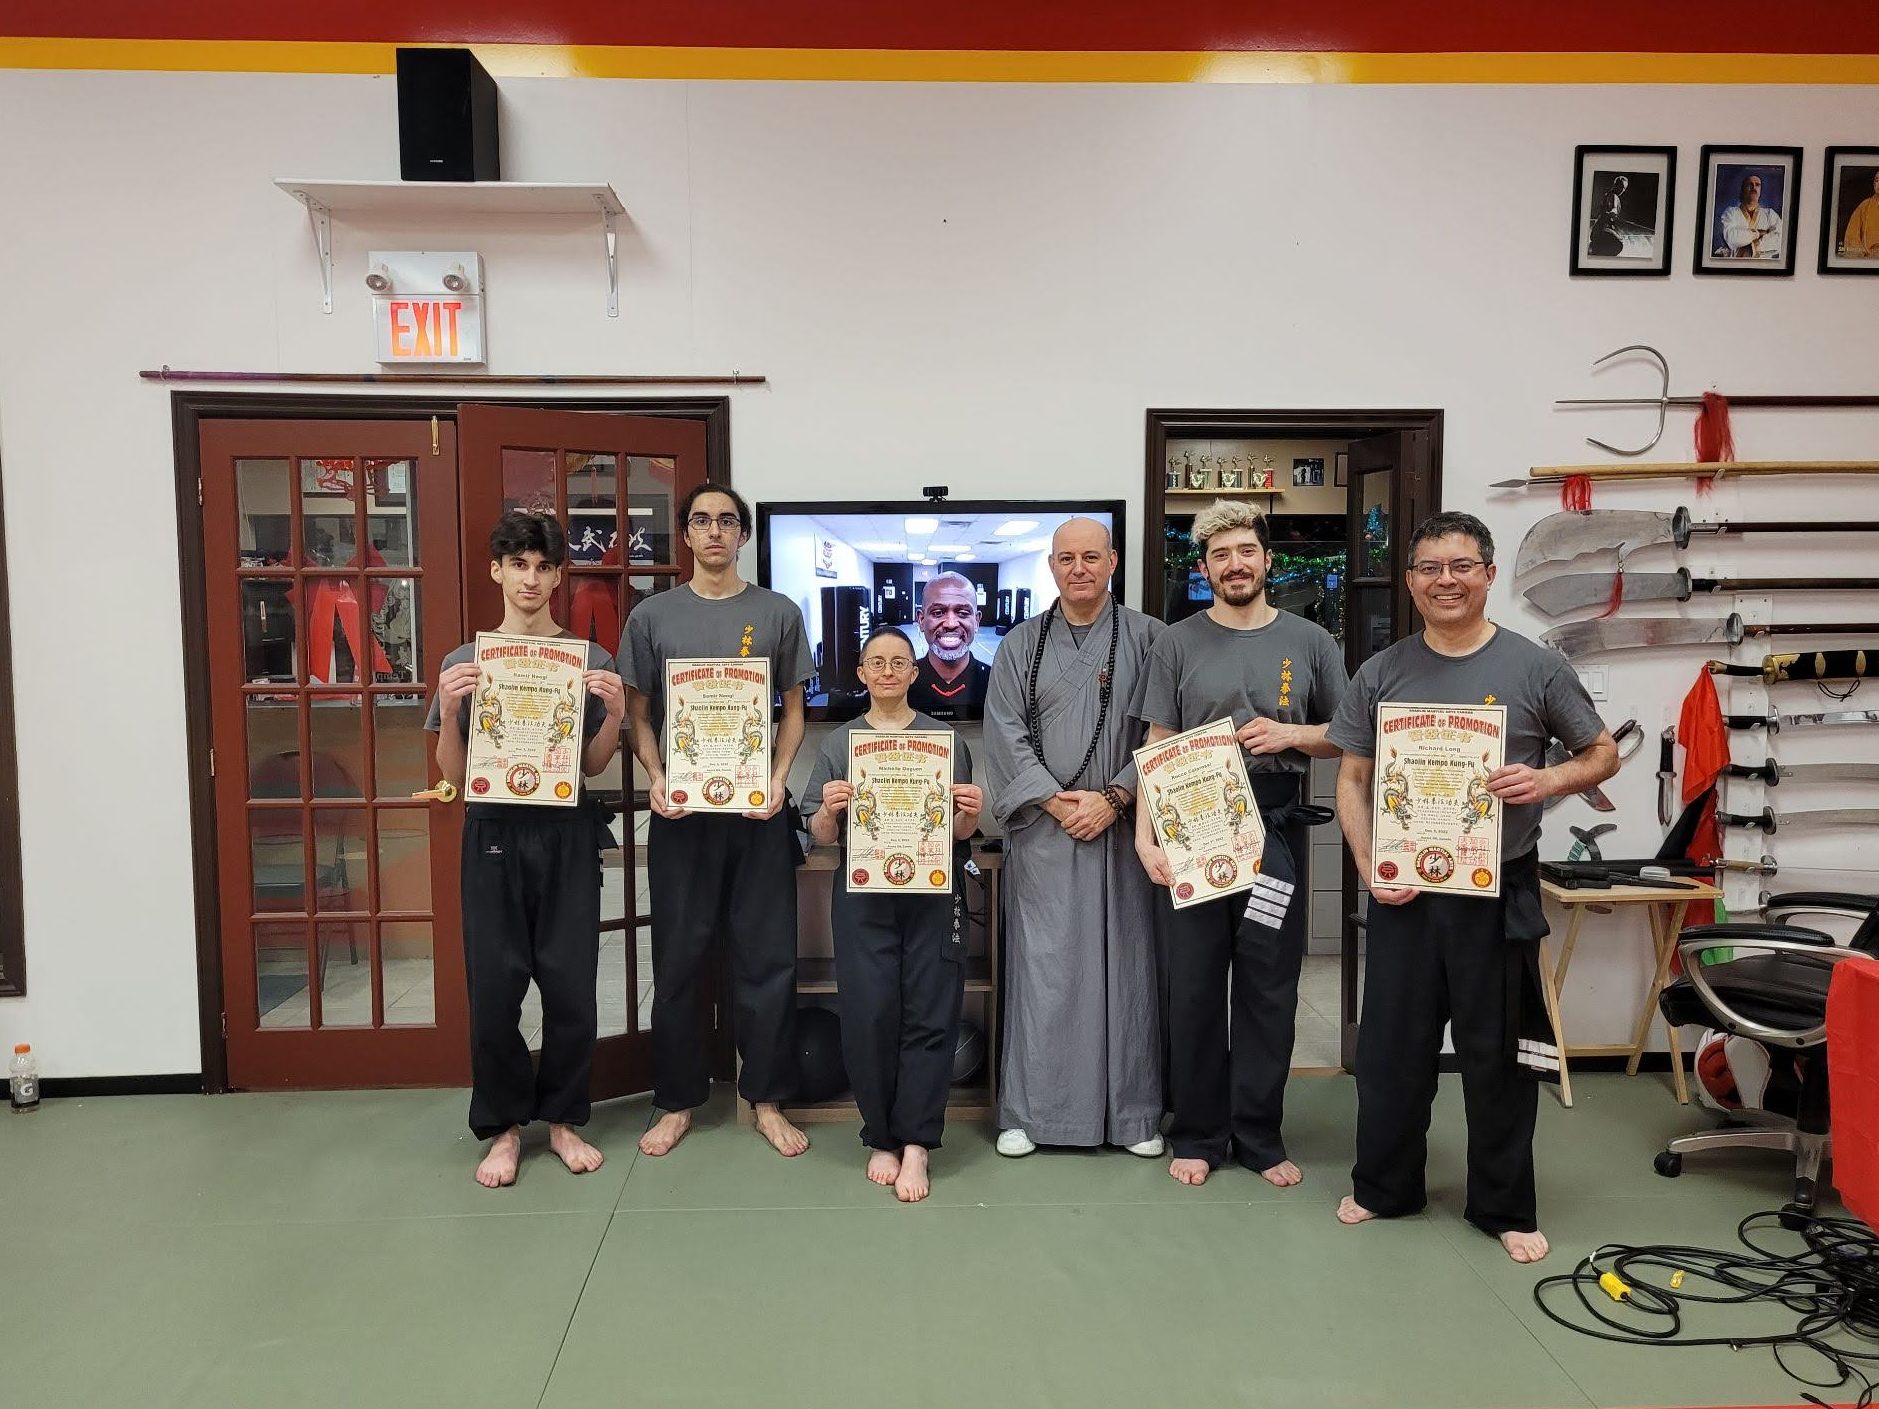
[1676,1279]
[1615,1286]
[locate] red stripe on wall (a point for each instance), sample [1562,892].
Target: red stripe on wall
[1358,26]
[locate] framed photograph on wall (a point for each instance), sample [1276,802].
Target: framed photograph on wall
[1308,472]
[1849,211]
[1623,204]
[1341,469]
[1747,201]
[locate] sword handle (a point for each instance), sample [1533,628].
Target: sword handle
[1784,584]
[1821,665]
[1764,821]
[1752,721]
[1768,772]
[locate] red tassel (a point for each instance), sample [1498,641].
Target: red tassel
[1575,493]
[1715,441]
[1617,596]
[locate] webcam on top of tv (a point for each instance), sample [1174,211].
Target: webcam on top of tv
[935,493]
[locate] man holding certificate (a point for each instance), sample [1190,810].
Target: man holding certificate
[1441,945]
[1233,961]
[894,787]
[531,846]
[703,663]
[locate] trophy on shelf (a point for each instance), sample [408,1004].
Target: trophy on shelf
[1201,476]
[1264,476]
[1174,472]
[1232,473]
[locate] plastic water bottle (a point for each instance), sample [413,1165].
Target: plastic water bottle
[24,1075]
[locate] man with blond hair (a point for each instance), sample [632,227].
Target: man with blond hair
[1233,963]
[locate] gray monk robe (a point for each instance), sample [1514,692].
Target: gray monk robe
[1082,1053]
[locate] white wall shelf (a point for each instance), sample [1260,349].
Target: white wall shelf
[327,201]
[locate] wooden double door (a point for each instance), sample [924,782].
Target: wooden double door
[342,560]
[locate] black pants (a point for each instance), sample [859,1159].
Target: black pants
[1443,959]
[898,967]
[531,909]
[1232,1016]
[730,881]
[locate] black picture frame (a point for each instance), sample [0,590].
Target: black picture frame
[1628,160]
[1834,215]
[1714,157]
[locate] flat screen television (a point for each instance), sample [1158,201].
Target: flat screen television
[979,566]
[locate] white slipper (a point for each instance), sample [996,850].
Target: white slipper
[1015,1143]
[1151,1148]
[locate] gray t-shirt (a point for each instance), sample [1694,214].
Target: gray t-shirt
[1289,670]
[1539,688]
[832,760]
[681,625]
[596,714]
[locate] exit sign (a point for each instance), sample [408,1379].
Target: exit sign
[427,307]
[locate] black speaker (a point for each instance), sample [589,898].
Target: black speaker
[446,117]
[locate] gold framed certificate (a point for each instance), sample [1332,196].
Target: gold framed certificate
[525,720]
[1196,790]
[1434,825]
[900,817]
[717,734]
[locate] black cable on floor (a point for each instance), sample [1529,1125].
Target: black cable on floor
[1830,1283]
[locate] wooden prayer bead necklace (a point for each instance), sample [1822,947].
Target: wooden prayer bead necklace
[1105,684]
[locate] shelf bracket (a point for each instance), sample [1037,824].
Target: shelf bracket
[613,257]
[322,221]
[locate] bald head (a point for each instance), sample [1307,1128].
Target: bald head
[1078,534]
[1082,559]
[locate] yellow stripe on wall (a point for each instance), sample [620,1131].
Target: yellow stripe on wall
[954,65]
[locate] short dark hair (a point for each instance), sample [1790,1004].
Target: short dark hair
[691,497]
[1443,524]
[881,633]
[520,531]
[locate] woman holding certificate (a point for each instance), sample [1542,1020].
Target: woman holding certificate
[893,789]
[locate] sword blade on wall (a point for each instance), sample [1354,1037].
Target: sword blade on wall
[1618,533]
[1773,772]
[1555,596]
[1775,723]
[1590,638]
[1826,819]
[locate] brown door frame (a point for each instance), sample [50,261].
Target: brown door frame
[12,906]
[188,409]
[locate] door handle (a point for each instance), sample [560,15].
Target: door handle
[445,791]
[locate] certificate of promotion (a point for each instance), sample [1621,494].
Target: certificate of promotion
[717,734]
[1434,824]
[525,720]
[900,818]
[1194,787]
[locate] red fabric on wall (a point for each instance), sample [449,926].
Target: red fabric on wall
[1853,1076]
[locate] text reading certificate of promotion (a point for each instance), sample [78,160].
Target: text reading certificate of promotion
[1434,824]
[1194,786]
[525,720]
[900,817]
[717,734]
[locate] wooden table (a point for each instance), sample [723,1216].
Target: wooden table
[1665,910]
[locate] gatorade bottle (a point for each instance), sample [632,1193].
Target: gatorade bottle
[24,1074]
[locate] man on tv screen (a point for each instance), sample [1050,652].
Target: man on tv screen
[950,682]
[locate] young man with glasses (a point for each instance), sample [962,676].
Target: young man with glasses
[1463,960]
[719,878]
[1233,963]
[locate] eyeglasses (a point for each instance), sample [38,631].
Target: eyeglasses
[1456,567]
[887,665]
[725,523]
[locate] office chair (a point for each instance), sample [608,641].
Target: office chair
[1769,981]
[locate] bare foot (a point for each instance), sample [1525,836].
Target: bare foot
[666,1132]
[1352,1212]
[1525,1247]
[1283,1175]
[579,1156]
[498,1167]
[1190,1171]
[787,1140]
[912,1185]
[884,1167]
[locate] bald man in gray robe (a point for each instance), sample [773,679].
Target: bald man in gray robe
[1083,1048]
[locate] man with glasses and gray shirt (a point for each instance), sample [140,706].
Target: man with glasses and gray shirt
[719,878]
[1431,958]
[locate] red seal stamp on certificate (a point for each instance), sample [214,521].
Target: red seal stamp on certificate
[523,779]
[859,875]
[1222,871]
[1435,864]
[479,786]
[679,798]
[717,791]
[1386,870]
[899,869]
[1184,891]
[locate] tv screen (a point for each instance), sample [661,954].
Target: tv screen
[955,576]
